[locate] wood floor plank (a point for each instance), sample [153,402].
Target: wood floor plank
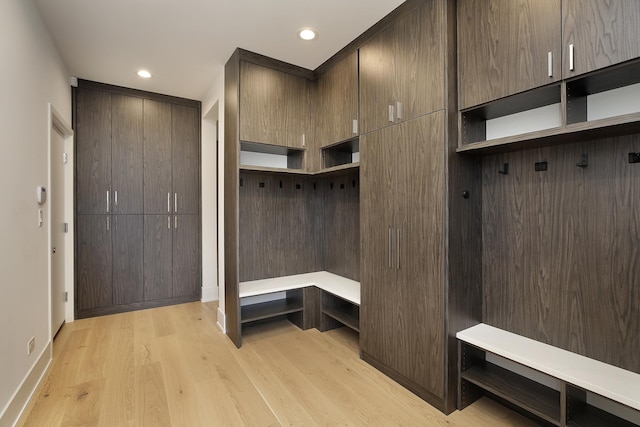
[173,367]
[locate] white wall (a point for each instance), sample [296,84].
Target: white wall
[32,75]
[212,105]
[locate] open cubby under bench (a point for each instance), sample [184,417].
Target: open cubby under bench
[566,383]
[338,303]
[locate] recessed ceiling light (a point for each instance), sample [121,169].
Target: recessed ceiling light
[144,74]
[307,33]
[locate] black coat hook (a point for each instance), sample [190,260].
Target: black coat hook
[584,161]
[505,169]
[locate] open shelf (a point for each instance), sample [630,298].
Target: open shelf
[266,310]
[343,153]
[347,318]
[534,397]
[589,416]
[337,312]
[272,158]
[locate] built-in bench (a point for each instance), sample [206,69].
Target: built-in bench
[567,386]
[321,299]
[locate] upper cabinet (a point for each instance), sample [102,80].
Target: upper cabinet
[506,47]
[598,33]
[402,69]
[336,117]
[274,106]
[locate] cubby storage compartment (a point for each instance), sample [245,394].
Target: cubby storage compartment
[292,303]
[346,153]
[337,312]
[266,157]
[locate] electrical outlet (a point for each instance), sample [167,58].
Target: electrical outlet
[31,345]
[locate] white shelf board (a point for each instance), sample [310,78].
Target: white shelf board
[340,286]
[601,378]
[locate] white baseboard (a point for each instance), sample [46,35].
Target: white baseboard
[16,406]
[222,322]
[209,293]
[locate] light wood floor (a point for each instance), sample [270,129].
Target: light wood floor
[172,366]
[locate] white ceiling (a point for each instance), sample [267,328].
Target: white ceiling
[183,43]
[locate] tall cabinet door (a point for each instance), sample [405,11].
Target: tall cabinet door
[158,254]
[158,194]
[603,33]
[504,45]
[94,273]
[128,237]
[93,151]
[185,158]
[377,71]
[127,151]
[186,255]
[378,309]
[420,224]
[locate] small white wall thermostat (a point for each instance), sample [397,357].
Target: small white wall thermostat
[41,195]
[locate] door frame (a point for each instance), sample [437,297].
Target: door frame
[58,124]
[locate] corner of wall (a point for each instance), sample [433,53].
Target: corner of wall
[222,322]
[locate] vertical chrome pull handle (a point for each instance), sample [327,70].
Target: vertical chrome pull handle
[115,221]
[175,221]
[354,126]
[390,113]
[168,202]
[175,202]
[399,112]
[398,248]
[571,65]
[550,63]
[107,201]
[390,255]
[304,140]
[169,222]
[108,223]
[115,198]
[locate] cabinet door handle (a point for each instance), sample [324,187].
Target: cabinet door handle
[304,140]
[107,201]
[571,57]
[108,223]
[115,222]
[354,128]
[398,248]
[550,63]
[175,221]
[168,202]
[399,112]
[169,222]
[175,202]
[115,198]
[390,113]
[390,248]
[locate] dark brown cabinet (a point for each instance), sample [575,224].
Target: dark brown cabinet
[401,69]
[337,103]
[598,33]
[275,106]
[138,199]
[506,47]
[402,319]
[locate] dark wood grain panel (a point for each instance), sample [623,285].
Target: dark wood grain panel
[503,47]
[377,74]
[187,275]
[157,157]
[127,154]
[274,64]
[420,60]
[231,175]
[158,259]
[296,97]
[93,150]
[342,225]
[603,33]
[128,259]
[337,102]
[378,309]
[420,225]
[125,91]
[94,257]
[185,159]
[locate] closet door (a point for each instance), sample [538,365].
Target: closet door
[94,272]
[93,151]
[128,238]
[158,257]
[262,101]
[158,189]
[186,255]
[603,33]
[378,309]
[420,223]
[185,159]
[127,152]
